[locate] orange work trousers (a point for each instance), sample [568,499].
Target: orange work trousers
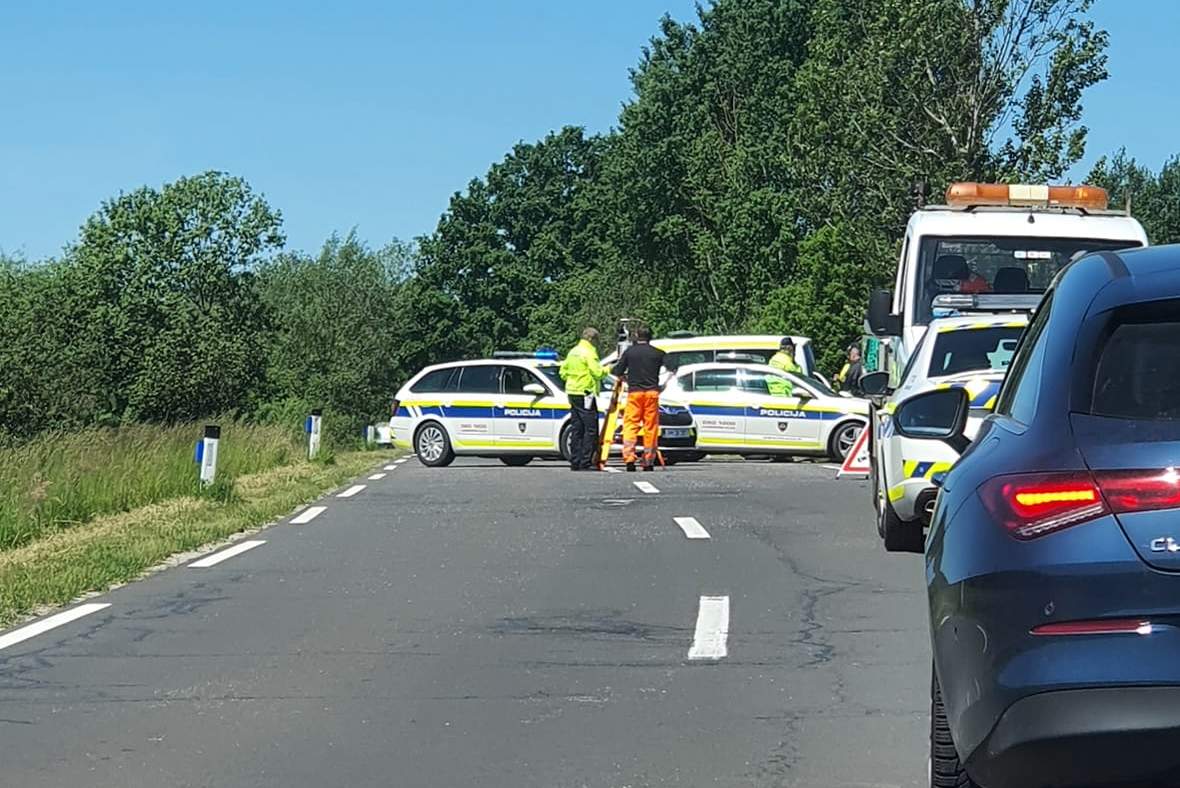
[643,412]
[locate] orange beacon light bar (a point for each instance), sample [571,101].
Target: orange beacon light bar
[1087,198]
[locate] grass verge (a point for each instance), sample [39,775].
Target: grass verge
[110,549]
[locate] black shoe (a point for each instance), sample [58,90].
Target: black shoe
[630,467]
[648,467]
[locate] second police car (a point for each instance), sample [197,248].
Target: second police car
[970,352]
[512,407]
[742,408]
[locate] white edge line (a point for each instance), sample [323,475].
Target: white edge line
[351,491]
[647,487]
[376,477]
[217,558]
[692,527]
[712,630]
[309,514]
[46,624]
[389,468]
[400,460]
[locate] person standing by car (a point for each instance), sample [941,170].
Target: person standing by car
[641,363]
[848,378]
[582,373]
[784,360]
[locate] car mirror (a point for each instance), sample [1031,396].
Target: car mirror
[803,394]
[935,415]
[881,319]
[875,384]
[536,389]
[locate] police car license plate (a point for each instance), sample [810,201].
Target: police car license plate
[674,432]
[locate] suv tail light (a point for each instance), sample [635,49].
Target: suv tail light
[1032,505]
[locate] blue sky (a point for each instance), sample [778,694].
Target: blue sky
[370,114]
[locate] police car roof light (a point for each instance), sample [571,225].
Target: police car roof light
[548,354]
[511,354]
[985,302]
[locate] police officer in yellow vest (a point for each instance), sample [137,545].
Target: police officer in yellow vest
[582,372]
[784,360]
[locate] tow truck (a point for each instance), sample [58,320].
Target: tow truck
[991,248]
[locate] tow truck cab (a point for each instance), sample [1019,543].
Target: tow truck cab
[989,240]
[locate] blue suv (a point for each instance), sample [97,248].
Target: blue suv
[1053,558]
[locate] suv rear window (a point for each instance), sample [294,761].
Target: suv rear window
[1138,375]
[973,349]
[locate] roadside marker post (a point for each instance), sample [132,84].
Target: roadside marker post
[857,462]
[312,428]
[207,454]
[370,435]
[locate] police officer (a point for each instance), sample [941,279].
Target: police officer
[783,360]
[582,372]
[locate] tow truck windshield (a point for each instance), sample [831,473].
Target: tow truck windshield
[1007,265]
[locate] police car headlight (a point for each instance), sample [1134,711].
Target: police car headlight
[672,410]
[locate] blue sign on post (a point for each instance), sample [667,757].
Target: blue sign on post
[199,452]
[307,425]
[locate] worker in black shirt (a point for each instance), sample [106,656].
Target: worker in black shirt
[641,363]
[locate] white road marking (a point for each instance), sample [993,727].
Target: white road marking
[376,477]
[309,514]
[351,491]
[217,558]
[610,469]
[708,642]
[692,527]
[389,468]
[46,624]
[647,487]
[400,460]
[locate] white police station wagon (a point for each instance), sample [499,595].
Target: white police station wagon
[512,407]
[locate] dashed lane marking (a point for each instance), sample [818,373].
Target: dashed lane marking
[692,527]
[389,468]
[712,632]
[376,477]
[44,625]
[309,514]
[610,469]
[351,491]
[400,460]
[647,487]
[217,558]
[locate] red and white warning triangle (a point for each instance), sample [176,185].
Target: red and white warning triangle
[857,461]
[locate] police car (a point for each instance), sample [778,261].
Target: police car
[737,411]
[512,407]
[971,352]
[682,349]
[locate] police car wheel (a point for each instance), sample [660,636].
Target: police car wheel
[566,443]
[433,446]
[843,439]
[900,536]
[516,460]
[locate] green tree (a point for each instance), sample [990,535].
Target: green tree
[335,340]
[1154,198]
[161,289]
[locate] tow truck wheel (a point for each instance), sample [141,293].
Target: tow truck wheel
[433,446]
[516,460]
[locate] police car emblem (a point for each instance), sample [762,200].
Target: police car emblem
[782,426]
[521,426]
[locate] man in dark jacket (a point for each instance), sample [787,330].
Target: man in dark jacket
[641,363]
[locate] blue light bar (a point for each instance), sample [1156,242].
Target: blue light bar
[549,354]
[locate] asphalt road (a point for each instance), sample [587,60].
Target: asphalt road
[489,626]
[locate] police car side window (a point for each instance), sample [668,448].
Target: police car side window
[755,382]
[437,381]
[685,382]
[716,380]
[1018,397]
[482,379]
[516,378]
[682,358]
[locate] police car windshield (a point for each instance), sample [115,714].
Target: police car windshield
[1006,265]
[551,371]
[973,349]
[818,385]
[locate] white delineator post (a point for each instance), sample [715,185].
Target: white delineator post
[208,454]
[312,426]
[370,435]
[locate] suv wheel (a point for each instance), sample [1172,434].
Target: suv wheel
[945,769]
[433,446]
[900,536]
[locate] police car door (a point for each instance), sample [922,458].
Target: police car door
[717,407]
[469,410]
[526,421]
[776,421]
